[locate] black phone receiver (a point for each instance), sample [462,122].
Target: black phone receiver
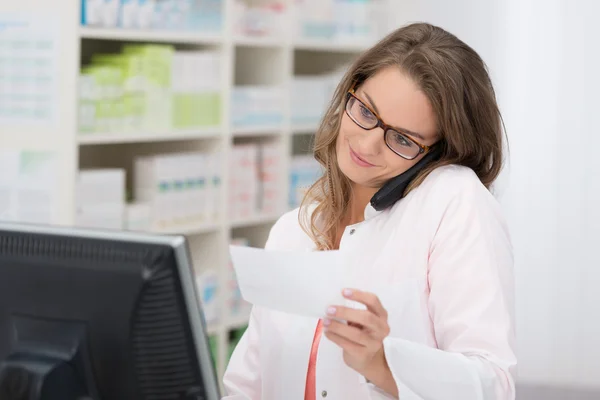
[393,190]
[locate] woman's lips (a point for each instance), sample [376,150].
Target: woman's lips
[359,160]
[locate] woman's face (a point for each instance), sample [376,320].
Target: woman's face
[363,155]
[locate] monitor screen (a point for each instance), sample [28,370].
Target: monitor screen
[96,315]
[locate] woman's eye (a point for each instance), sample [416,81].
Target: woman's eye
[401,140]
[366,113]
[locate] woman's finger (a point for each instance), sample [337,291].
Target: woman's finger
[352,333]
[368,299]
[364,318]
[346,344]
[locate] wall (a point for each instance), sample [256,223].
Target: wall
[540,58]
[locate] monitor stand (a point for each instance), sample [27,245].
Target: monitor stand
[46,362]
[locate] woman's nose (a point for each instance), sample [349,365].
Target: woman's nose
[371,142]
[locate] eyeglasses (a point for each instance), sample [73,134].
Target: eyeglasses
[400,143]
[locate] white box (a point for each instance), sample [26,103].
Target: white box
[211,188]
[128,14]
[100,186]
[271,193]
[177,188]
[138,217]
[145,13]
[100,216]
[154,184]
[110,13]
[197,196]
[304,171]
[208,288]
[244,184]
[92,12]
[179,168]
[216,168]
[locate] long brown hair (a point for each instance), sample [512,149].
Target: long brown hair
[455,80]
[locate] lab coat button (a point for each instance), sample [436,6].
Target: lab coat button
[352,231]
[324,393]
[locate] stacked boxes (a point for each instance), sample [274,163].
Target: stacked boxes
[356,21]
[266,18]
[181,189]
[170,192]
[270,179]
[150,88]
[180,15]
[310,96]
[257,106]
[196,86]
[304,171]
[255,181]
[243,182]
[207,284]
[138,217]
[100,198]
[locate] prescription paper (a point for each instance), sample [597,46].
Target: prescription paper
[296,282]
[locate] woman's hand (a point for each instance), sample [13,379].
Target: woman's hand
[362,337]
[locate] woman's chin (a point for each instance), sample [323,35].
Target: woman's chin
[357,175]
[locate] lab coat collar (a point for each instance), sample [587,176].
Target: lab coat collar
[370,212]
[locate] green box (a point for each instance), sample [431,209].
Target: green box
[157,62]
[108,102]
[133,86]
[196,110]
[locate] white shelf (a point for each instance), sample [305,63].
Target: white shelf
[255,221]
[304,129]
[191,229]
[251,131]
[257,41]
[150,137]
[329,46]
[142,35]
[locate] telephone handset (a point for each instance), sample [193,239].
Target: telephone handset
[393,190]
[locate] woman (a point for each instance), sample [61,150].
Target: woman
[431,272]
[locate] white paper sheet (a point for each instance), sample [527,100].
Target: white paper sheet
[299,282]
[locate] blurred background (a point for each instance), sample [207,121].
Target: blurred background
[196,117]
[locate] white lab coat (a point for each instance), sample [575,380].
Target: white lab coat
[441,262]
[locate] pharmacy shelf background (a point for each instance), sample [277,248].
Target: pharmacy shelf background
[192,117]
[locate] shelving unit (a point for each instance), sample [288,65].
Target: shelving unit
[256,131]
[245,60]
[254,221]
[259,42]
[328,46]
[150,36]
[304,129]
[148,137]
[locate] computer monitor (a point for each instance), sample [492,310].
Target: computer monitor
[92,315]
